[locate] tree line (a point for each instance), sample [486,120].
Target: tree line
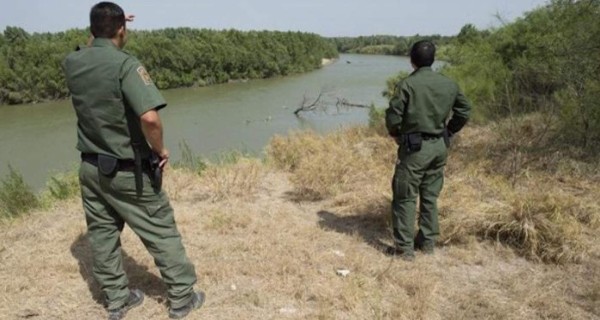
[30,64]
[384,44]
[547,62]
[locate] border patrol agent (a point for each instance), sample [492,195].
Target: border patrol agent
[118,130]
[416,118]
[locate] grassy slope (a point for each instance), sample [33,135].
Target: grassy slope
[264,251]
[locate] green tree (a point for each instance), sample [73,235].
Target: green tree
[30,68]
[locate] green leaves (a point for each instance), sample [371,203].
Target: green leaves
[175,57]
[547,61]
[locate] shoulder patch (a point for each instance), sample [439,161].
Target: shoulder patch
[144,75]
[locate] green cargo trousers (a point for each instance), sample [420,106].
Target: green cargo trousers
[419,174]
[109,203]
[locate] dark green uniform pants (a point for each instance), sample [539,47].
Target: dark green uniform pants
[109,203]
[419,174]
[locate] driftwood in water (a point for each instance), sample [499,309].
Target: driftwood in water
[318,103]
[306,106]
[343,102]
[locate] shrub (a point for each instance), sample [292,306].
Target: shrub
[377,120]
[286,152]
[189,160]
[64,186]
[539,227]
[343,161]
[16,197]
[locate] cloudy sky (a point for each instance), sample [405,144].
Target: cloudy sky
[325,17]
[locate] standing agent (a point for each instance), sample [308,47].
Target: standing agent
[118,130]
[416,118]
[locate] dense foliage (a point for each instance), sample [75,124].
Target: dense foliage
[30,63]
[547,62]
[381,44]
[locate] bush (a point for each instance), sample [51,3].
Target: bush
[377,121]
[541,63]
[539,227]
[189,160]
[545,216]
[64,186]
[350,160]
[286,152]
[16,197]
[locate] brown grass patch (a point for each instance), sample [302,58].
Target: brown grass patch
[344,161]
[538,228]
[240,179]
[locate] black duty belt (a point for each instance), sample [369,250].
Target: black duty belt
[123,165]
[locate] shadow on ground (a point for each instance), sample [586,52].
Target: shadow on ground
[139,276]
[372,227]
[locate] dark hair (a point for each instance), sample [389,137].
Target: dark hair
[422,53]
[105,19]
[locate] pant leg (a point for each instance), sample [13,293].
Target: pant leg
[405,188]
[104,231]
[151,217]
[429,191]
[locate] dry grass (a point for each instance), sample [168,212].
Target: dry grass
[238,180]
[538,228]
[530,212]
[342,162]
[260,253]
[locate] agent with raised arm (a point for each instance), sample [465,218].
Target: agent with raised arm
[118,131]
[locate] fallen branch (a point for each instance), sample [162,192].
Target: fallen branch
[345,103]
[309,107]
[321,103]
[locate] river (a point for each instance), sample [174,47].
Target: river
[39,140]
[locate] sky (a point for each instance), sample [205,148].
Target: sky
[324,17]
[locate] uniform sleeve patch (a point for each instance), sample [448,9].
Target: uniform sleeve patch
[144,75]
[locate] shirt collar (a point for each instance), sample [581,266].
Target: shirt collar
[103,42]
[421,69]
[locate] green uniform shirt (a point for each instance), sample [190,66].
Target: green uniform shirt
[110,91]
[422,103]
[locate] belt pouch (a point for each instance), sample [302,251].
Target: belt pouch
[414,141]
[107,165]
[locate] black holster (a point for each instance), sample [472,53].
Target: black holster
[151,166]
[447,135]
[155,172]
[139,169]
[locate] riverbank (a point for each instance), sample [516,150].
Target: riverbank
[268,238]
[325,62]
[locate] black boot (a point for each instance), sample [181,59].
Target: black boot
[195,303]
[136,297]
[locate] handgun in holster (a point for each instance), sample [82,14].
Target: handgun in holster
[155,171]
[151,166]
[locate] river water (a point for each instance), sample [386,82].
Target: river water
[39,140]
